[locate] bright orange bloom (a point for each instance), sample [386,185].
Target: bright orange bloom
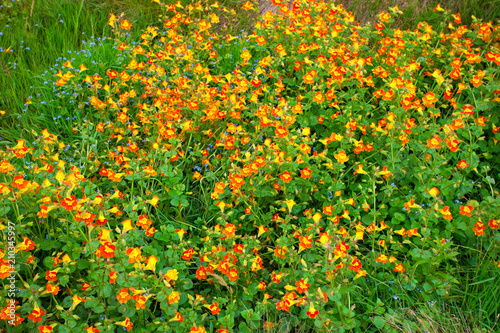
[188,254]
[20,183]
[277,277]
[52,289]
[434,142]
[126,323]
[433,191]
[5,166]
[27,244]
[466,210]
[134,254]
[479,228]
[306,173]
[462,164]
[286,177]
[44,329]
[429,99]
[201,273]
[233,274]
[446,213]
[37,314]
[399,268]
[382,258]
[123,296]
[174,297]
[312,312]
[51,275]
[341,157]
[126,25]
[69,203]
[494,224]
[281,132]
[302,286]
[328,210]
[196,329]
[355,265]
[112,277]
[214,308]
[107,250]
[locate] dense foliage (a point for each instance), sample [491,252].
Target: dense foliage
[327,174]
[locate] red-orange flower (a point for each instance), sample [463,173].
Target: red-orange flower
[44,329]
[434,142]
[466,210]
[312,312]
[123,296]
[286,177]
[306,173]
[399,268]
[302,286]
[37,314]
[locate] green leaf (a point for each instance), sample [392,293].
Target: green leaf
[379,322]
[244,327]
[63,280]
[107,290]
[83,264]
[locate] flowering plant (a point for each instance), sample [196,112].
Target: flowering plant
[332,171]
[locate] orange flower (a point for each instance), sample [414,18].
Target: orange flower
[429,99]
[174,297]
[479,228]
[462,164]
[19,182]
[126,323]
[341,157]
[5,166]
[446,213]
[51,275]
[188,254]
[399,268]
[328,210]
[306,173]
[312,312]
[144,222]
[277,277]
[433,192]
[286,177]
[214,308]
[466,210]
[384,17]
[434,142]
[27,244]
[37,314]
[452,144]
[112,277]
[69,203]
[44,329]
[126,25]
[382,258]
[355,265]
[201,273]
[199,329]
[52,289]
[302,285]
[233,274]
[494,224]
[123,296]
[107,250]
